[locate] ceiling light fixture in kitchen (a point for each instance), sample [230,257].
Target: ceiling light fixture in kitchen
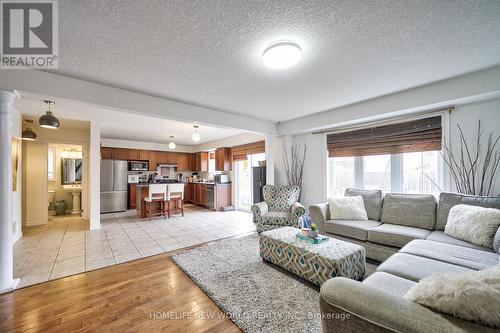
[196,136]
[28,133]
[171,144]
[282,55]
[48,120]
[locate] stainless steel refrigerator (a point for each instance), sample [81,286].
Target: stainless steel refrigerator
[113,186]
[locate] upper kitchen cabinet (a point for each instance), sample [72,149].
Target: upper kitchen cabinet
[134,154]
[200,161]
[223,159]
[144,155]
[153,160]
[183,162]
[106,153]
[114,154]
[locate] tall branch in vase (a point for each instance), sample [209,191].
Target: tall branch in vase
[474,167]
[293,160]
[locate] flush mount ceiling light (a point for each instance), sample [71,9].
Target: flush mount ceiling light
[196,136]
[282,55]
[28,133]
[171,144]
[48,120]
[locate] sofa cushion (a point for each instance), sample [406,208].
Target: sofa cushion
[474,224]
[413,210]
[372,200]
[440,236]
[453,254]
[448,200]
[395,235]
[347,208]
[471,296]
[351,228]
[278,218]
[415,268]
[389,283]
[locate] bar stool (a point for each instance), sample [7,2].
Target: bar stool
[157,193]
[175,192]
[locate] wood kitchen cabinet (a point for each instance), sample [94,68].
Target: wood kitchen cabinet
[223,196]
[144,155]
[106,153]
[223,159]
[188,192]
[120,154]
[132,196]
[134,154]
[153,160]
[183,162]
[200,161]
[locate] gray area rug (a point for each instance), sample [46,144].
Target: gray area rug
[258,297]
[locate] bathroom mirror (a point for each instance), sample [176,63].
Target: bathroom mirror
[71,171]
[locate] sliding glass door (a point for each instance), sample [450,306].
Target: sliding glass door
[244,191]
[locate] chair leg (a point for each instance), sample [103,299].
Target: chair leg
[165,208]
[148,210]
[182,206]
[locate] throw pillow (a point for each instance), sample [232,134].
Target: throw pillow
[472,296]
[347,208]
[474,224]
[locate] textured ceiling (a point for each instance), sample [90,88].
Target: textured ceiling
[119,125]
[209,52]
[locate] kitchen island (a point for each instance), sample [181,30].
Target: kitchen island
[207,194]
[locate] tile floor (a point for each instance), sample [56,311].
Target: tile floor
[65,246]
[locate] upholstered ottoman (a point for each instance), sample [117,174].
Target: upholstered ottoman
[316,263]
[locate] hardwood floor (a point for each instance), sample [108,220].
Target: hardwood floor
[146,295]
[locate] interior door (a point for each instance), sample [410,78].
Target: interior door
[107,175]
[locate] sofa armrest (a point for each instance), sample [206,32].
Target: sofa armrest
[381,311]
[298,210]
[319,214]
[260,208]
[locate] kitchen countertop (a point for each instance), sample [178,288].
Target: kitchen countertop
[203,183]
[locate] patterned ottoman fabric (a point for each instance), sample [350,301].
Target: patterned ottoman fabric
[316,263]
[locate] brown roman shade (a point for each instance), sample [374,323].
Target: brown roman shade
[413,136]
[240,153]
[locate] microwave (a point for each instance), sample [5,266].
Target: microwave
[138,166]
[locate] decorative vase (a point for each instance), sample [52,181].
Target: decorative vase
[313,234]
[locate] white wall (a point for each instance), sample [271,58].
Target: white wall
[315,169]
[467,117]
[17,195]
[95,176]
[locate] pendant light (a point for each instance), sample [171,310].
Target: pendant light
[28,133]
[196,136]
[171,144]
[48,120]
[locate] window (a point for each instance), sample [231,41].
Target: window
[406,173]
[51,163]
[399,157]
[211,163]
[342,174]
[420,172]
[377,172]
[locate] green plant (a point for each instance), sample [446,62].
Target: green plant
[314,227]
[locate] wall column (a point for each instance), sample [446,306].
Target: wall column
[7,282]
[95,175]
[269,146]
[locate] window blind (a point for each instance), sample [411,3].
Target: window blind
[240,153]
[413,136]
